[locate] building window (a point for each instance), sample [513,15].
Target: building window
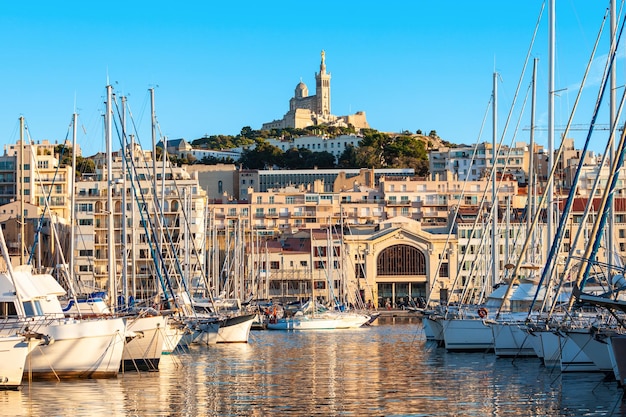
[401,260]
[359,270]
[220,187]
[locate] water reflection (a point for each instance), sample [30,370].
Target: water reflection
[386,370]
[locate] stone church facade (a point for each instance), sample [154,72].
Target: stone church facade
[306,110]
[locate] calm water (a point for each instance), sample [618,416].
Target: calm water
[385,370]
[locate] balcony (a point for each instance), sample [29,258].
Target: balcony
[297,214]
[395,203]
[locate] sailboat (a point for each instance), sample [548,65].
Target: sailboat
[100,341]
[14,350]
[315,316]
[32,301]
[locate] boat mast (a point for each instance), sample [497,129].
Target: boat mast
[494,186]
[72,198]
[531,159]
[311,268]
[612,118]
[154,179]
[21,217]
[124,220]
[133,270]
[551,54]
[111,226]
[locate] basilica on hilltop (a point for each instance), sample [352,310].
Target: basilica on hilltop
[306,110]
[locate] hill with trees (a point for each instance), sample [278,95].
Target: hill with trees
[375,149]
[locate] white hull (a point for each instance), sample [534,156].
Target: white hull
[534,337]
[321,322]
[511,339]
[207,332]
[144,345]
[433,329]
[467,335]
[235,329]
[560,351]
[13,353]
[80,349]
[596,348]
[174,332]
[617,353]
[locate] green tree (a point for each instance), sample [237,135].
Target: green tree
[321,160]
[292,159]
[85,166]
[347,159]
[262,156]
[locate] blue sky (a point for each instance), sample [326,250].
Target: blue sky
[219,66]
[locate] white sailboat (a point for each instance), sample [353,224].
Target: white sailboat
[100,341]
[32,300]
[14,350]
[314,316]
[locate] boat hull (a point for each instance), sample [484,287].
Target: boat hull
[329,322]
[617,353]
[433,329]
[511,340]
[594,346]
[207,332]
[235,329]
[467,335]
[13,353]
[80,349]
[144,345]
[560,351]
[174,333]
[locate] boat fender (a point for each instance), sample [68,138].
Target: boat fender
[482,312]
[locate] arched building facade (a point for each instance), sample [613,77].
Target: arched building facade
[398,262]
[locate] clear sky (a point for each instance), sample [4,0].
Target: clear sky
[219,66]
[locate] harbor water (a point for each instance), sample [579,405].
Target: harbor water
[387,369]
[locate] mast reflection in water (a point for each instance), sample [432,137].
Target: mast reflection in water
[385,370]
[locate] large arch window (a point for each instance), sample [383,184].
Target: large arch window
[401,260]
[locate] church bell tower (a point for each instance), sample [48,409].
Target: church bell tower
[322,88]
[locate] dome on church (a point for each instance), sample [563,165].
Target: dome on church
[301,90]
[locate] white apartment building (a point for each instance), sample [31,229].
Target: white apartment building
[335,146]
[475,162]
